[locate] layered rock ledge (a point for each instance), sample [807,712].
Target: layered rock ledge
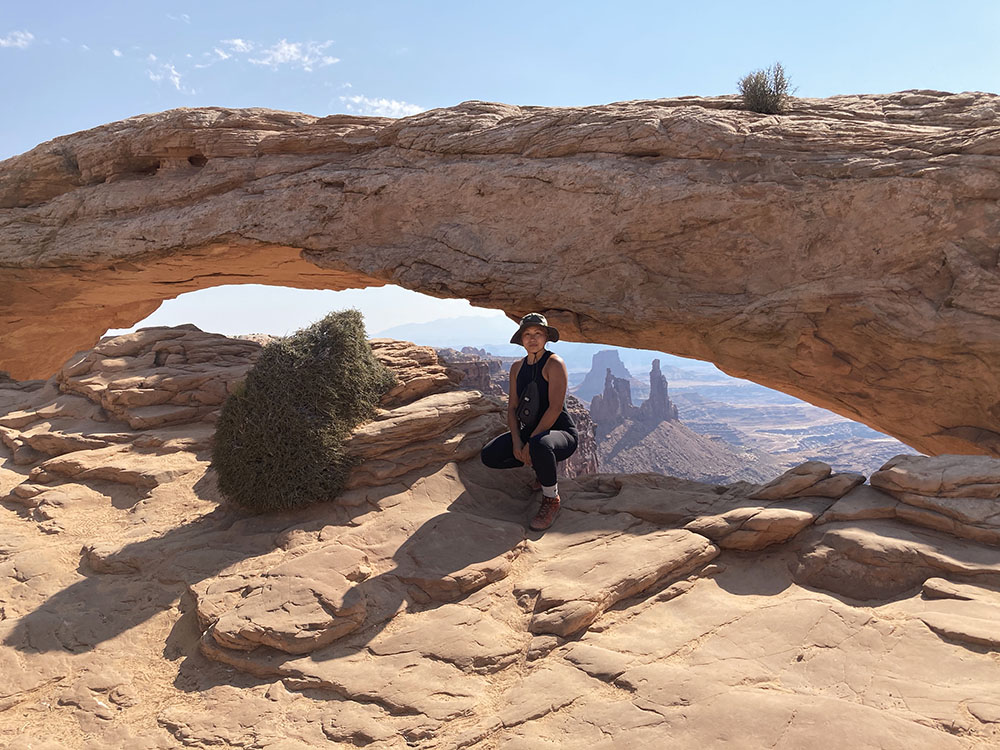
[138,610]
[843,253]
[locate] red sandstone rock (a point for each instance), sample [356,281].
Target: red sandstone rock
[840,252]
[402,616]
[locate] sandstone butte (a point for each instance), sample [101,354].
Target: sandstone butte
[139,611]
[845,253]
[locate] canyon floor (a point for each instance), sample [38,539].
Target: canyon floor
[138,609]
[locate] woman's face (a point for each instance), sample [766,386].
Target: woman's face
[534,338]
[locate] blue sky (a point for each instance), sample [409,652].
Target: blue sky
[68,66]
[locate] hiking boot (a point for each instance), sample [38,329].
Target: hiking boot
[546,514]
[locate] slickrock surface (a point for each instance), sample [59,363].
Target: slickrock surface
[843,253]
[138,610]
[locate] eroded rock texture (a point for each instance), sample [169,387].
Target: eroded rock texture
[137,610]
[844,253]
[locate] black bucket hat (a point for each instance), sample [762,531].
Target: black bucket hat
[534,319]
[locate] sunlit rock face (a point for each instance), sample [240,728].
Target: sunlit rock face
[844,253]
[138,609]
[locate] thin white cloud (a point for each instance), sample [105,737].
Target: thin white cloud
[213,57]
[17,39]
[183,18]
[166,72]
[116,52]
[363,105]
[237,45]
[304,55]
[85,48]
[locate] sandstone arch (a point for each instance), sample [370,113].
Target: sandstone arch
[846,253]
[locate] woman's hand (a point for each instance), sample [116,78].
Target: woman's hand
[523,454]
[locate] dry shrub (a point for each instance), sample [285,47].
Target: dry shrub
[279,442]
[766,91]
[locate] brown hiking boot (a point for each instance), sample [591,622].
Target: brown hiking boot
[546,514]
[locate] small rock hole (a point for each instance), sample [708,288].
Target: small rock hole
[198,160]
[146,166]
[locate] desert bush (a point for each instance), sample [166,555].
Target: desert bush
[279,441]
[766,91]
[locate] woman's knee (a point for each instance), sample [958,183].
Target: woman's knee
[540,444]
[491,458]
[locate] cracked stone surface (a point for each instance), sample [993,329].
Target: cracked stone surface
[843,252]
[139,610]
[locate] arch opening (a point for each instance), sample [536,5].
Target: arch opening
[709,426]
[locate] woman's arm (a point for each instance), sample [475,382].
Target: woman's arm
[554,372]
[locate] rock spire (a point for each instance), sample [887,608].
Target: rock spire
[658,407]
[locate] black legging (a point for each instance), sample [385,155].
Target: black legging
[546,449]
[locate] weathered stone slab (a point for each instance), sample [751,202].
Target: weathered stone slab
[754,526]
[403,683]
[417,369]
[457,553]
[485,645]
[883,558]
[590,722]
[122,464]
[783,721]
[975,511]
[598,662]
[299,605]
[51,404]
[434,430]
[941,588]
[979,631]
[544,690]
[861,503]
[836,485]
[99,697]
[941,476]
[793,481]
[572,590]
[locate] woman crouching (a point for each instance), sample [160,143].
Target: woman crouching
[541,430]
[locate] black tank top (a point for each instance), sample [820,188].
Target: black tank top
[525,375]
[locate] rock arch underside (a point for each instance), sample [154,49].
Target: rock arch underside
[845,253]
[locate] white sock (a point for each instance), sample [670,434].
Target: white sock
[552,491]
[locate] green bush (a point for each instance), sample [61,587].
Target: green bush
[766,91]
[279,442]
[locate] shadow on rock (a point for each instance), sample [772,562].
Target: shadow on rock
[126,585]
[322,604]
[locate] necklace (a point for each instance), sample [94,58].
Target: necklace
[537,359]
[533,366]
